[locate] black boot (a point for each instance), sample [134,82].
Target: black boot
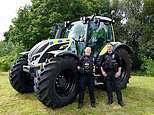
[110,101]
[93,105]
[80,105]
[121,104]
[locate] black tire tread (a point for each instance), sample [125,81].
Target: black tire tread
[42,83]
[126,55]
[15,74]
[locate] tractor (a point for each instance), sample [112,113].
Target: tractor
[50,67]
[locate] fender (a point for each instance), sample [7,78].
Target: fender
[68,54]
[121,45]
[116,45]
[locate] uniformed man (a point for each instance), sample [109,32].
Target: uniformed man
[85,67]
[111,70]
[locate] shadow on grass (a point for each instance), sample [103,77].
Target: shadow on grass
[28,96]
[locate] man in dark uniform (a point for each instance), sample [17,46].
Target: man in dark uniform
[111,70]
[85,67]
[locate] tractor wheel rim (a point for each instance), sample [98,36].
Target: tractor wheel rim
[65,82]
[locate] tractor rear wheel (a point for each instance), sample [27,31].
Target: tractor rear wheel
[20,80]
[56,85]
[126,67]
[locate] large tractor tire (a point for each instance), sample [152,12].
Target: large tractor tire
[57,84]
[126,67]
[20,80]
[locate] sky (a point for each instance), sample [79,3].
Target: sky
[8,10]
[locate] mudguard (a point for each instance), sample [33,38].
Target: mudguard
[116,45]
[68,54]
[121,45]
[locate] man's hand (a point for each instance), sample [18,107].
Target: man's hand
[118,73]
[78,67]
[81,70]
[103,72]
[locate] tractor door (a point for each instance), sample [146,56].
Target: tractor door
[100,32]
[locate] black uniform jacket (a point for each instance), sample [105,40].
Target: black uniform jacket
[111,62]
[86,63]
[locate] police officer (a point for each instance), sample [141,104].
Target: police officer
[85,67]
[111,70]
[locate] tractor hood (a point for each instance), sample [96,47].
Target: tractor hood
[50,48]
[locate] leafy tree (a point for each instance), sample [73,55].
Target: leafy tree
[8,54]
[138,31]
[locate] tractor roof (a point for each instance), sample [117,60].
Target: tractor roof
[104,19]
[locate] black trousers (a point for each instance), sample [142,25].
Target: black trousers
[86,79]
[112,83]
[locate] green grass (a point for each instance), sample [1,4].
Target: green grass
[138,97]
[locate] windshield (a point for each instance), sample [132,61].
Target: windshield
[76,30]
[100,30]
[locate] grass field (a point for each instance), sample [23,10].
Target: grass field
[138,97]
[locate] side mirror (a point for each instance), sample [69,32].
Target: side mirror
[67,23]
[113,13]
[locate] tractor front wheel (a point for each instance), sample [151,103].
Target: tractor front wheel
[20,80]
[56,85]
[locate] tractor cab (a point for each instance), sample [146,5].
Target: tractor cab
[93,31]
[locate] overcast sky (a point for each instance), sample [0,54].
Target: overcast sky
[8,9]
